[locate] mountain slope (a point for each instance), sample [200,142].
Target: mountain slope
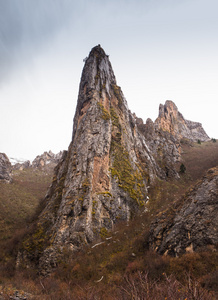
[104,175]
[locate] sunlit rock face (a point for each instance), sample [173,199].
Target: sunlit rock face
[172,121]
[5,168]
[191,223]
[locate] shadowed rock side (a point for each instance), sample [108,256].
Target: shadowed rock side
[172,121]
[5,168]
[104,175]
[164,146]
[192,222]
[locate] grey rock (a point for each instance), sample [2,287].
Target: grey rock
[47,159]
[21,166]
[103,176]
[5,168]
[192,222]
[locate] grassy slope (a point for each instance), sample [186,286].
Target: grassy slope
[198,158]
[19,200]
[124,253]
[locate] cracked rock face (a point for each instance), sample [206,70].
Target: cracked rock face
[5,168]
[164,146]
[192,223]
[103,176]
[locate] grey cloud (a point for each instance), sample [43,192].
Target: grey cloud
[26,25]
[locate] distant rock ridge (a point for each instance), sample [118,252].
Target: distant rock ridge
[190,223]
[103,177]
[5,168]
[47,160]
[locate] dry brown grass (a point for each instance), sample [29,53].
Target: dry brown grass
[20,199]
[198,158]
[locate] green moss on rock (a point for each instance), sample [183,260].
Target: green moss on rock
[129,179]
[105,115]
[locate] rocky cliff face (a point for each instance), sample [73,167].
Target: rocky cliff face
[172,121]
[103,176]
[164,146]
[192,222]
[5,168]
[164,135]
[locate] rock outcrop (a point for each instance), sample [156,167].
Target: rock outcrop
[22,165]
[191,223]
[164,135]
[172,121]
[103,177]
[5,168]
[47,159]
[164,146]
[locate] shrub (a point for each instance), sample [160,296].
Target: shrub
[182,169]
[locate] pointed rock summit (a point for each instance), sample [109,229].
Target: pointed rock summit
[103,176]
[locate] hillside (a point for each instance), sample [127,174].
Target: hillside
[118,256]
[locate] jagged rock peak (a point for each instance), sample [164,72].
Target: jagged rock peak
[172,121]
[104,175]
[97,76]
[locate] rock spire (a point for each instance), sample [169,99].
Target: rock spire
[103,176]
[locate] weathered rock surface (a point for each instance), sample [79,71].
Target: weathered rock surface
[103,176]
[172,121]
[165,148]
[5,168]
[164,135]
[192,222]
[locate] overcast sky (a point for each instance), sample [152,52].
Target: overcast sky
[159,49]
